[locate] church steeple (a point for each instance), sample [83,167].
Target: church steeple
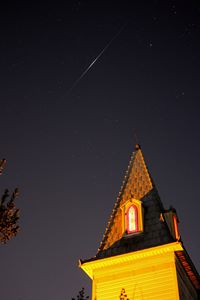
[141,251]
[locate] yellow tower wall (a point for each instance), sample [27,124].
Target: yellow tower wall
[147,274]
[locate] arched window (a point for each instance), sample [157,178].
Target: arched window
[132,219]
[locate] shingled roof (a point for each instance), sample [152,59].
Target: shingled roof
[138,184]
[156,232]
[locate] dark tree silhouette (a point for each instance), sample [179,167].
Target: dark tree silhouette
[9,214]
[123,295]
[81,295]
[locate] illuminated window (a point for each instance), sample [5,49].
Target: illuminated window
[177,236]
[132,219]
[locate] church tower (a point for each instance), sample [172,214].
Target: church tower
[141,256]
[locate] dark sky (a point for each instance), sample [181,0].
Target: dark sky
[68,149]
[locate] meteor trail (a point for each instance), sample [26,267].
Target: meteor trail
[98,56]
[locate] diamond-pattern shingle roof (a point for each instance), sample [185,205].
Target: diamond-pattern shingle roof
[138,185]
[156,232]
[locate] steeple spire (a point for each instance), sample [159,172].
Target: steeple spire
[137,183]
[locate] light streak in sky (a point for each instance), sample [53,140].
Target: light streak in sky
[95,60]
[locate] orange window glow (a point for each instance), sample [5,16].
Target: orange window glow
[176,227]
[132,219]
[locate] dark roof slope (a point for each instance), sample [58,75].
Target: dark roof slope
[156,232]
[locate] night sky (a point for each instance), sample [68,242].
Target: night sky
[68,145]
